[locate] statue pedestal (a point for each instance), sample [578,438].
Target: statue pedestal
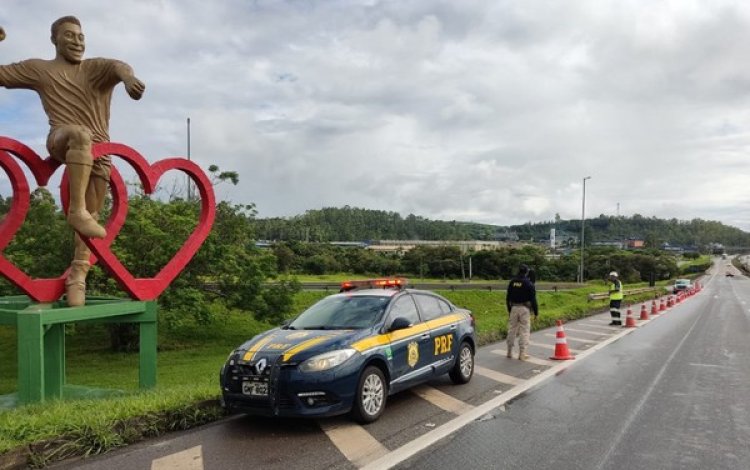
[41,343]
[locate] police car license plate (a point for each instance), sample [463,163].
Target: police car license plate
[255,389]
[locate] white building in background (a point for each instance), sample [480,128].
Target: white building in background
[465,245]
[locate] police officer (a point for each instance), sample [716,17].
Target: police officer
[615,298]
[521,302]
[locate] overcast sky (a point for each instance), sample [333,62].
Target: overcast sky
[470,110]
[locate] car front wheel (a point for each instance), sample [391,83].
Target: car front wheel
[463,369]
[372,393]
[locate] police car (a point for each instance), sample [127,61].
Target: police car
[349,352]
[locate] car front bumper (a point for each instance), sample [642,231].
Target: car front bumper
[293,393]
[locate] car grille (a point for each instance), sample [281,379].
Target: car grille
[236,374]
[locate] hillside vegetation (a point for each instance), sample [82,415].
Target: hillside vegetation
[355,224]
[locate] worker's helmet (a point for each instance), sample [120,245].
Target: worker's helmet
[613,274]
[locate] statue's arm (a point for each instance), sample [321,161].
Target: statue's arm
[20,75]
[125,74]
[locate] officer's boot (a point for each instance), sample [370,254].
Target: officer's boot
[510,352]
[79,163]
[522,355]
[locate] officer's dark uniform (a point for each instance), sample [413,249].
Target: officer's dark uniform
[521,302]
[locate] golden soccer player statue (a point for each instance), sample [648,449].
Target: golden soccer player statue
[76,95]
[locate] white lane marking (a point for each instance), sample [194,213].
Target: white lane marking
[188,459]
[410,449]
[708,365]
[605,328]
[552,346]
[590,332]
[497,376]
[538,361]
[531,359]
[441,400]
[357,445]
[573,338]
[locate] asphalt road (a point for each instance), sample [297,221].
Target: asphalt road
[672,393]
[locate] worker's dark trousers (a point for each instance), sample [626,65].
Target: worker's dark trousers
[614,311]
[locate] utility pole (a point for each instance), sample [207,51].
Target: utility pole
[189,185]
[583,222]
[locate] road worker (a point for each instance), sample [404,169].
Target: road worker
[521,303]
[615,298]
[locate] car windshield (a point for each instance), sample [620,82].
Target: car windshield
[342,312]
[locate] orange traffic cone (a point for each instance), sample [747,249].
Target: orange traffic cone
[662,305]
[629,320]
[562,353]
[654,309]
[644,313]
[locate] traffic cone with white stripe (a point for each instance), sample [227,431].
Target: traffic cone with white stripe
[562,353]
[654,309]
[629,320]
[662,305]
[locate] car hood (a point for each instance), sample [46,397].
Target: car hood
[292,346]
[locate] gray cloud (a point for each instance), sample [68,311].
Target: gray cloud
[478,111]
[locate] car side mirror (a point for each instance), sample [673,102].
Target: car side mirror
[400,323]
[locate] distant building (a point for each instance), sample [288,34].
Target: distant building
[635,243]
[465,245]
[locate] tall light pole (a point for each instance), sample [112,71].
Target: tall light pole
[189,189]
[583,220]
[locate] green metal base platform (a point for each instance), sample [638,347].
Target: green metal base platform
[41,344]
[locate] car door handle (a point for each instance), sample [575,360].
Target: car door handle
[425,336]
[453,326]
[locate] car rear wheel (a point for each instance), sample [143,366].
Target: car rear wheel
[372,393]
[463,369]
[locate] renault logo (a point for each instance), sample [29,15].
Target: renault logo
[260,366]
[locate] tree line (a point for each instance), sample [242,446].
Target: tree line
[356,224]
[450,262]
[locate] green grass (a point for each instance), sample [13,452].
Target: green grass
[189,360]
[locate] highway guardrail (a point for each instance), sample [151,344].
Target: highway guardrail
[640,290]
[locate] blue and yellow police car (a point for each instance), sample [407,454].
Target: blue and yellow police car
[348,352]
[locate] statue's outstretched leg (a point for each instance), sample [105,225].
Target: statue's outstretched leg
[79,162]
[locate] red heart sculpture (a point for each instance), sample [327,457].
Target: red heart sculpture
[45,289]
[150,288]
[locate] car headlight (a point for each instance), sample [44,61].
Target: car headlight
[327,360]
[230,357]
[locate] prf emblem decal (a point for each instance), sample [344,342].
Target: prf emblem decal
[413,356]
